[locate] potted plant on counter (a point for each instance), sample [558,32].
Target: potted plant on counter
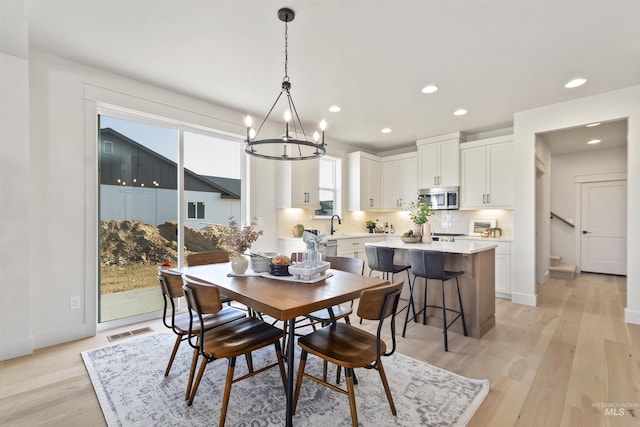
[371,225]
[419,212]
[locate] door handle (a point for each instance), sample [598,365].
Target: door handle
[586,232]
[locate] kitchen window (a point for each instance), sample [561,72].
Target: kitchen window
[330,181]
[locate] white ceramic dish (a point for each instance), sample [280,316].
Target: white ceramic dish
[304,272]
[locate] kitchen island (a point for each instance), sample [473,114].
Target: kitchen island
[477,285]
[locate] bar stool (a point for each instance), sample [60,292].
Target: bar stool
[430,265]
[380,258]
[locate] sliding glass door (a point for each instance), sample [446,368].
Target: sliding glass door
[138,179]
[154,177]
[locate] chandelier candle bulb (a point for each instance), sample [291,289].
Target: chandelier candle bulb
[287,119]
[248,122]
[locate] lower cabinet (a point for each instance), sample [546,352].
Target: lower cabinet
[353,247]
[503,266]
[503,270]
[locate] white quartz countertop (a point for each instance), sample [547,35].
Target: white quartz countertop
[465,247]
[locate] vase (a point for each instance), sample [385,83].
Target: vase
[426,233]
[239,264]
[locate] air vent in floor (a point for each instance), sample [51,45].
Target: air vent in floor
[129,334]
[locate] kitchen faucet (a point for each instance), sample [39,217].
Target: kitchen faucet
[339,222]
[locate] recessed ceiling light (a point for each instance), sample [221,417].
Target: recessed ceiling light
[590,125]
[334,108]
[575,83]
[429,89]
[460,112]
[386,130]
[594,141]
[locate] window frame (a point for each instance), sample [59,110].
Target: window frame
[337,189]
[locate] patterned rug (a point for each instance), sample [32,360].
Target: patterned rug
[128,378]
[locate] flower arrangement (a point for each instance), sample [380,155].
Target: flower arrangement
[234,239]
[419,212]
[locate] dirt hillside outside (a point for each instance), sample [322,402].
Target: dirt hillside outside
[131,251]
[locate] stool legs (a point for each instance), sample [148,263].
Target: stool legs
[445,324]
[464,322]
[444,321]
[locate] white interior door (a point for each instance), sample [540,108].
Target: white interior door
[603,245]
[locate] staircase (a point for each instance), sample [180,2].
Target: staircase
[561,271]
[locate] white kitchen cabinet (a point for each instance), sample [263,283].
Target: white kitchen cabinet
[487,173]
[363,171]
[502,265]
[399,180]
[439,161]
[299,186]
[354,247]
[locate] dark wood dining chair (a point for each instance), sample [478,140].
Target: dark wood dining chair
[210,257]
[228,341]
[341,311]
[171,286]
[351,347]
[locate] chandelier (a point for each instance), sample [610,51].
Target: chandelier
[293,145]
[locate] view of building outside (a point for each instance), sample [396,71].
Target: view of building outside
[138,178]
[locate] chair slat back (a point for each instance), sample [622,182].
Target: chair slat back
[297,256]
[372,301]
[348,264]
[210,257]
[202,298]
[380,258]
[170,283]
[428,264]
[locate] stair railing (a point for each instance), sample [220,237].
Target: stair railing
[558,217]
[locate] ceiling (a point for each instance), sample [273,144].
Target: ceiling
[371,58]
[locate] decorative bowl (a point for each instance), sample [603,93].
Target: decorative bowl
[302,271]
[279,270]
[407,239]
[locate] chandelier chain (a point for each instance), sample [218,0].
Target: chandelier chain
[286,51]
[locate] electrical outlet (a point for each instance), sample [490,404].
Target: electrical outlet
[74,303]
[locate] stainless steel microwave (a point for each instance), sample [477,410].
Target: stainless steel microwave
[440,197]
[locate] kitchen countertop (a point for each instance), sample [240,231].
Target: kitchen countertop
[464,247]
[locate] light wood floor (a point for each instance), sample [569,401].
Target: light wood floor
[558,364]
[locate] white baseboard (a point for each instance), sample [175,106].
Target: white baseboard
[632,316]
[503,295]
[524,299]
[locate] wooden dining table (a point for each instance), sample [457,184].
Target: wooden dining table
[284,300]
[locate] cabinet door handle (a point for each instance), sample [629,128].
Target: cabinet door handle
[484,199]
[488,199]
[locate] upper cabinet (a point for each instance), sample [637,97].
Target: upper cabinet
[399,180]
[439,160]
[487,173]
[299,186]
[363,172]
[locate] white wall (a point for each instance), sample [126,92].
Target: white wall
[61,129]
[614,105]
[15,184]
[543,225]
[564,169]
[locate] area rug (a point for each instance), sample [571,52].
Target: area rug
[128,378]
